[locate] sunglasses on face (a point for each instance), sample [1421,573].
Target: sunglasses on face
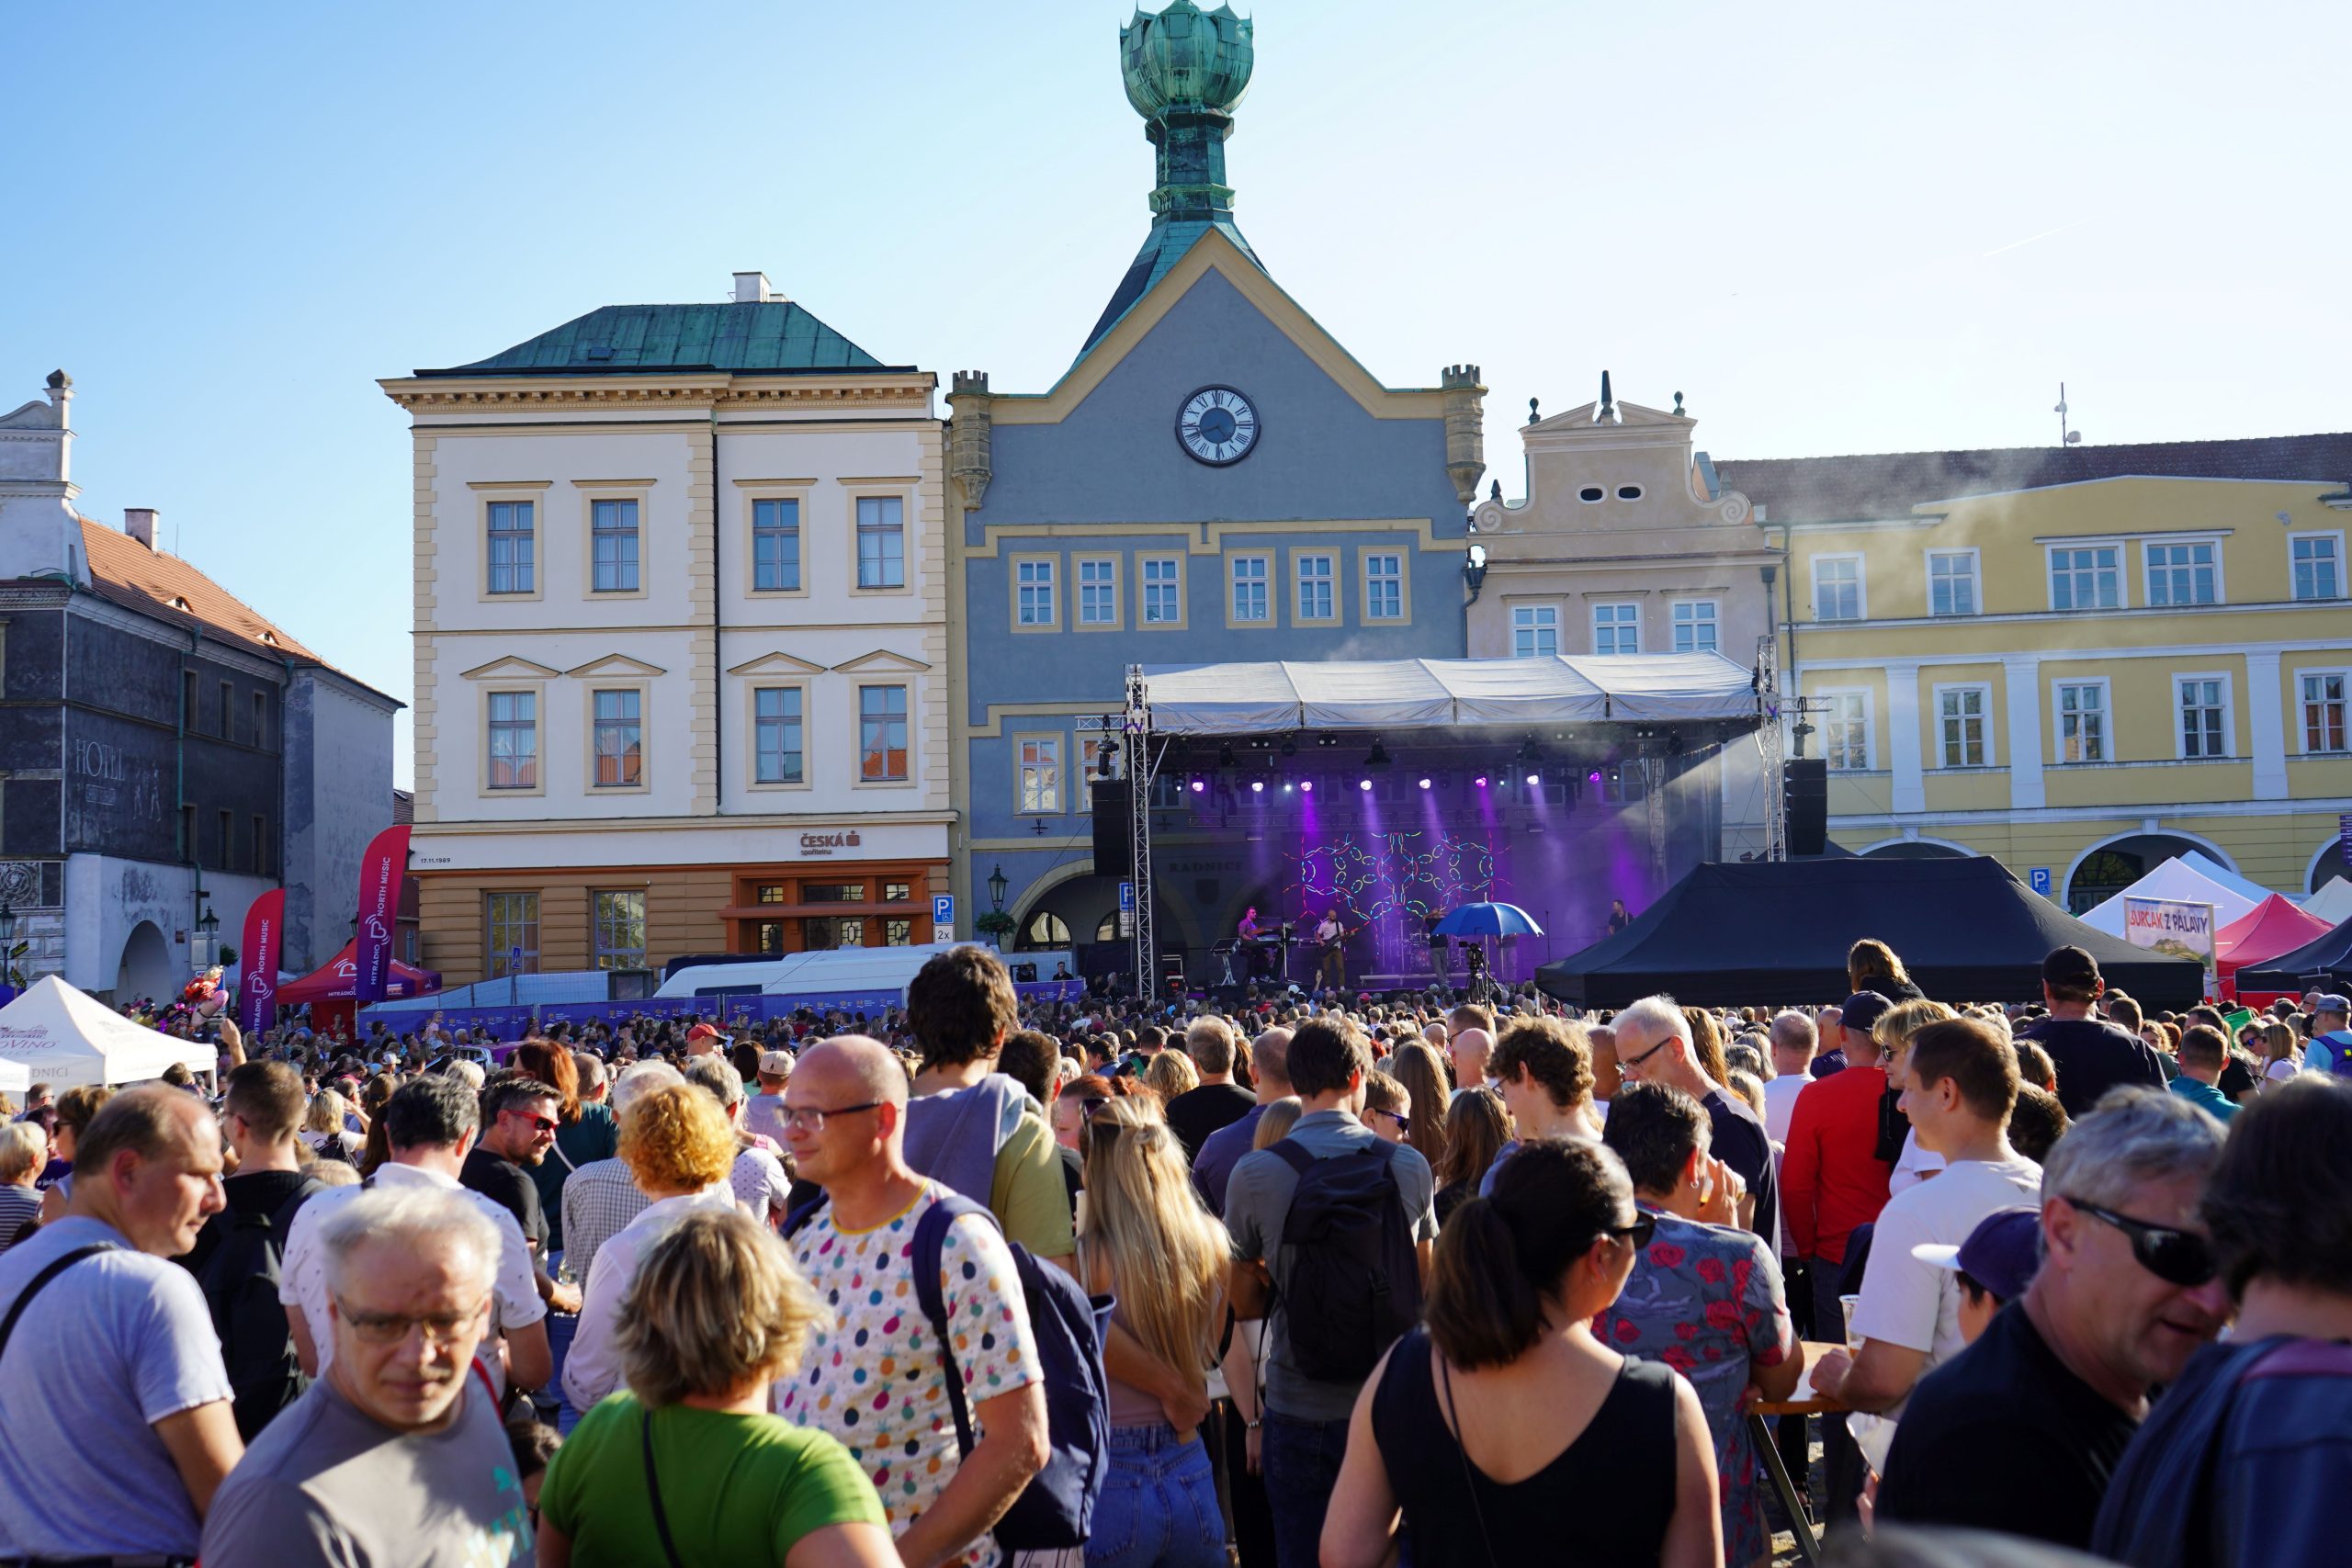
[1639,1233]
[538,1123]
[2178,1257]
[1403,1123]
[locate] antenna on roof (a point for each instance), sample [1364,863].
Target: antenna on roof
[2065,437]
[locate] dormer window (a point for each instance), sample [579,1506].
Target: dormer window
[1592,495]
[1629,492]
[270,637]
[180,604]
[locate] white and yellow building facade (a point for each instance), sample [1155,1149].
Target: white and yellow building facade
[2082,678]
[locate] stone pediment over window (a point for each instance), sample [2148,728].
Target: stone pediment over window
[777,664]
[512,668]
[881,658]
[616,664]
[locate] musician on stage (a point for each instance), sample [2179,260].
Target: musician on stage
[1618,917]
[1256,961]
[1248,930]
[1332,937]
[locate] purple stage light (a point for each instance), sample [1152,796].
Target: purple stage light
[1535,779]
[1256,786]
[1425,784]
[1307,787]
[1593,777]
[1199,787]
[1482,780]
[1363,783]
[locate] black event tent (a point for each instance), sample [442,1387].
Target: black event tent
[1771,932]
[2328,953]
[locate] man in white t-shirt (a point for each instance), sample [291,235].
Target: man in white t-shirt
[1794,1039]
[1959,1085]
[430,1124]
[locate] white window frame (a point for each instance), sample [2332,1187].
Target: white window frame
[1870,725]
[2302,722]
[1535,628]
[531,536]
[643,692]
[1263,582]
[1374,581]
[2106,721]
[1975,579]
[1090,758]
[2229,752]
[1109,571]
[633,536]
[1713,622]
[1039,753]
[1049,584]
[1861,589]
[2148,569]
[1144,585]
[538,741]
[798,501]
[881,528]
[2334,537]
[1593,622]
[754,726]
[1302,613]
[1983,690]
[2050,576]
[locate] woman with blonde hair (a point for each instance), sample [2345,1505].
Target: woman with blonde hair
[1893,1032]
[324,1133]
[1151,1243]
[1169,1074]
[679,1148]
[2282,1054]
[1870,965]
[687,1466]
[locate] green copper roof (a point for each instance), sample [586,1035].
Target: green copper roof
[1162,248]
[763,336]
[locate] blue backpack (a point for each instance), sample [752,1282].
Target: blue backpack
[1067,1327]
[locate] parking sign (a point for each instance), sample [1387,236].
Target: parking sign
[942,916]
[1126,897]
[2039,880]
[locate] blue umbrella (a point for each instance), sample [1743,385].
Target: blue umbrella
[1488,919]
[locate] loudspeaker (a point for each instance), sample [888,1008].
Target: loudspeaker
[1172,974]
[1113,828]
[1805,785]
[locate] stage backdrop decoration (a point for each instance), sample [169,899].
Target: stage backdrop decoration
[381,870]
[257,955]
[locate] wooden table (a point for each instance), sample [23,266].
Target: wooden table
[1802,1401]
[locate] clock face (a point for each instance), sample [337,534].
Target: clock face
[1217,427]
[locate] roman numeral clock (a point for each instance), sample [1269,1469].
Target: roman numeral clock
[1217,427]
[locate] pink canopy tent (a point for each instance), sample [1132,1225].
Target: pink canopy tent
[2269,928]
[329,988]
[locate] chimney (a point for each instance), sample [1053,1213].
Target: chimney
[752,289]
[139,522]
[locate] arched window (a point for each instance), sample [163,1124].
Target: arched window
[1044,930]
[1107,929]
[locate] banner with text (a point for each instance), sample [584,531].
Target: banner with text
[257,962]
[381,871]
[2172,926]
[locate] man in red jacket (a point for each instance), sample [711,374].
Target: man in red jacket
[1832,1178]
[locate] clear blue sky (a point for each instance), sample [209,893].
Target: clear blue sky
[1833,228]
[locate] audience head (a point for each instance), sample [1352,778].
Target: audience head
[434,1112]
[410,1271]
[1795,1041]
[845,1109]
[714,1311]
[1958,1078]
[961,1005]
[1653,1042]
[1029,1059]
[2279,1204]
[1551,1247]
[1542,1064]
[676,1139]
[1663,1136]
[261,1106]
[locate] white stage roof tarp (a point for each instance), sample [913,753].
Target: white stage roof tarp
[1439,693]
[67,1038]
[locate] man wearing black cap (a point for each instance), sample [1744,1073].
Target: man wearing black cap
[2092,1055]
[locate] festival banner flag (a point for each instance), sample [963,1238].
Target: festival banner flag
[381,871]
[257,962]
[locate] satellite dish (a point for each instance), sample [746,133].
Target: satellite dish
[2073,436]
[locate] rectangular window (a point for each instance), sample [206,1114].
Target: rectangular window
[2082,723]
[1098,592]
[512,546]
[2324,711]
[881,541]
[228,842]
[2204,715]
[1163,590]
[1314,587]
[613,541]
[261,718]
[227,711]
[2319,566]
[1534,631]
[1846,732]
[881,734]
[1837,588]
[619,920]
[513,923]
[619,739]
[1384,587]
[514,740]
[2086,577]
[1250,589]
[898,934]
[1962,711]
[776,547]
[833,892]
[2184,574]
[897,892]
[1951,582]
[1094,751]
[1616,628]
[1041,772]
[1695,626]
[261,846]
[1033,600]
[188,834]
[776,747]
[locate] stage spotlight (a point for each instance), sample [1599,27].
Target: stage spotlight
[1379,758]
[1593,777]
[1256,786]
[1288,787]
[1425,784]
[1199,787]
[1481,781]
[1306,787]
[1533,780]
[1363,783]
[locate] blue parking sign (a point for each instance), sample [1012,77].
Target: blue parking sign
[942,916]
[1126,897]
[2039,880]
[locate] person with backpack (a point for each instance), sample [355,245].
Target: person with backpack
[1338,1223]
[900,1259]
[2329,1049]
[239,1253]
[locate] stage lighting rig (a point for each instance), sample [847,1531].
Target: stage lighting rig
[1379,758]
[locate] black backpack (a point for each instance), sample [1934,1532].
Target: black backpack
[1354,1283]
[240,1282]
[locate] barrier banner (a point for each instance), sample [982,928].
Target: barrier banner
[381,871]
[257,964]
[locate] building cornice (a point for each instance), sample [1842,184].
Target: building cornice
[715,392]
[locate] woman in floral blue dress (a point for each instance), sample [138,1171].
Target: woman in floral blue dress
[1704,1297]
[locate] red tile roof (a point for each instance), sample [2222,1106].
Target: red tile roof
[1884,485]
[163,586]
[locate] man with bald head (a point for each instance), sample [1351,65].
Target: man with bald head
[1222,1149]
[845,1118]
[1469,1049]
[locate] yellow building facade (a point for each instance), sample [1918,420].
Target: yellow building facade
[2079,678]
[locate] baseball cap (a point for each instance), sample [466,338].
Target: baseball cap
[775,1064]
[701,1032]
[2070,966]
[2332,1002]
[2001,1254]
[1863,1011]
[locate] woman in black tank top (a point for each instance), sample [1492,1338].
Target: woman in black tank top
[1503,1429]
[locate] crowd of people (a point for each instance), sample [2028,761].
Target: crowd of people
[1310,1279]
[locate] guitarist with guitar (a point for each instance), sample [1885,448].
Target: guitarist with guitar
[1332,938]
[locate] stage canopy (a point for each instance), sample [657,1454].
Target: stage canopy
[1772,932]
[65,1038]
[2269,928]
[1439,693]
[2328,956]
[337,979]
[2177,879]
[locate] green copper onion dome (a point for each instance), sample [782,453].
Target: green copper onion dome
[1185,58]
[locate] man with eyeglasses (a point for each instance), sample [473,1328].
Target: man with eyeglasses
[2023,1431]
[397,1454]
[519,1118]
[430,1125]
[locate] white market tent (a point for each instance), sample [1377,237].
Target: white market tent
[2212,870]
[64,1037]
[2177,879]
[14,1077]
[2332,903]
[1440,694]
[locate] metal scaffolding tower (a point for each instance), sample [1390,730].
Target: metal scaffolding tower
[1768,741]
[1140,766]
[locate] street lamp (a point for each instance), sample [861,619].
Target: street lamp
[208,938]
[997,884]
[8,944]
